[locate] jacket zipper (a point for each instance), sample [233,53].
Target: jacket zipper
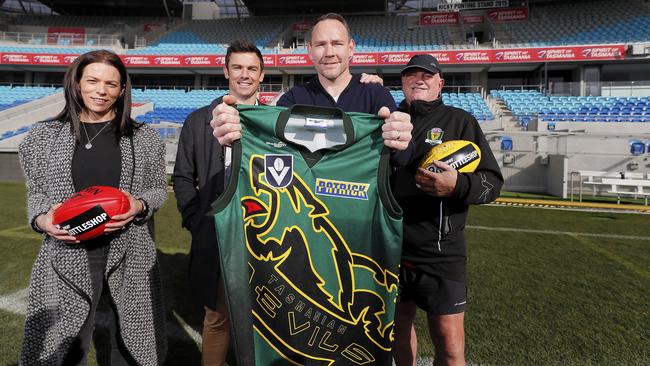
[440,227]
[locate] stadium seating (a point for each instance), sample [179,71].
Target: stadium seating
[385,34]
[470,102]
[173,105]
[84,21]
[14,96]
[372,34]
[506,143]
[565,23]
[49,50]
[17,95]
[213,36]
[549,24]
[555,24]
[9,134]
[528,103]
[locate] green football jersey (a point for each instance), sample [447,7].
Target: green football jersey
[310,238]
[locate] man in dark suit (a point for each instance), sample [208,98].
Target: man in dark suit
[199,178]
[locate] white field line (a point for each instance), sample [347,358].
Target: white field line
[16,302]
[557,232]
[179,329]
[550,206]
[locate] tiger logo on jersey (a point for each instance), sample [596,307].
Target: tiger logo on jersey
[307,303]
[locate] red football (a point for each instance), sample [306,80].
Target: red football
[85,214]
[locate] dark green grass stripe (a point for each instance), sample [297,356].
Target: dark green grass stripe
[613,256]
[555,232]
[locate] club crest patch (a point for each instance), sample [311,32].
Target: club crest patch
[337,188]
[434,136]
[278,170]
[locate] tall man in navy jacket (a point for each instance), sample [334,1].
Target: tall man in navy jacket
[330,48]
[198,179]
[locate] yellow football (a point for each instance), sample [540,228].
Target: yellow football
[461,155]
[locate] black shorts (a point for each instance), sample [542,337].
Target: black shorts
[433,294]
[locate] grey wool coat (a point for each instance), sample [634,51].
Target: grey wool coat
[60,285]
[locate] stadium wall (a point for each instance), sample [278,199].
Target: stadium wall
[557,166]
[543,162]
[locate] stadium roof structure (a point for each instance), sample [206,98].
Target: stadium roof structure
[149,8]
[314,8]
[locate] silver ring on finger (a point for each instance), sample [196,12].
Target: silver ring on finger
[399,133]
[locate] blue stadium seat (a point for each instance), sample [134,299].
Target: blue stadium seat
[506,143]
[637,148]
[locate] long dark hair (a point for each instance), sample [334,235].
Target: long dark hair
[123,124]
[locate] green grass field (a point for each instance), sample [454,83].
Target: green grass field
[546,287]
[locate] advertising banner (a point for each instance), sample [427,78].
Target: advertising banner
[66,35]
[293,60]
[438,18]
[266,97]
[269,60]
[360,59]
[472,19]
[198,60]
[508,15]
[302,26]
[151,27]
[483,56]
[37,59]
[473,57]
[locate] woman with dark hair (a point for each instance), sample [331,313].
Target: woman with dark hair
[94,141]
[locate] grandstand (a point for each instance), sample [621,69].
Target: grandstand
[173,105]
[528,104]
[556,24]
[470,102]
[199,37]
[14,96]
[86,21]
[374,34]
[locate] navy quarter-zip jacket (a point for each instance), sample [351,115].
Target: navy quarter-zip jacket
[356,97]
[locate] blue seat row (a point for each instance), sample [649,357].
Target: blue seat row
[470,102]
[14,96]
[9,134]
[551,118]
[615,109]
[173,105]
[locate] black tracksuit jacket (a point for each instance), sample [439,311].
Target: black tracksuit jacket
[434,239]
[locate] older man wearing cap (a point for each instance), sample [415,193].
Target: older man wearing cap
[435,205]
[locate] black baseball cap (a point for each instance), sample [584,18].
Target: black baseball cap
[423,61]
